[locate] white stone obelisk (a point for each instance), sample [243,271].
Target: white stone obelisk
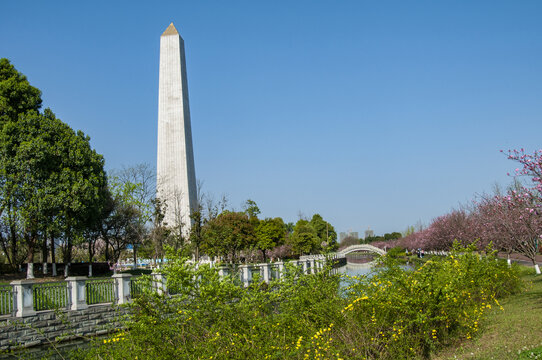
[176,176]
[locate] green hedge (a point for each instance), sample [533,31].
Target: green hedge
[393,314]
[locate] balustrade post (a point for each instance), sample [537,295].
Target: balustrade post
[221,271]
[295,265]
[159,283]
[305,270]
[266,272]
[122,286]
[280,266]
[24,298]
[77,292]
[246,275]
[313,270]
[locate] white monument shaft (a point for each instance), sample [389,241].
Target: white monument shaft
[176,177]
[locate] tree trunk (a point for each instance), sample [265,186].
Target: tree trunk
[30,262]
[536,267]
[13,236]
[90,258]
[69,249]
[53,256]
[6,251]
[107,258]
[135,256]
[44,254]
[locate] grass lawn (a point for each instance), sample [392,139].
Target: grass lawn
[514,333]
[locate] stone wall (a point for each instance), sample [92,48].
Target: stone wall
[50,326]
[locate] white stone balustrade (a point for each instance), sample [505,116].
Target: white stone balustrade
[77,292]
[122,286]
[280,266]
[266,272]
[24,298]
[246,275]
[76,286]
[159,283]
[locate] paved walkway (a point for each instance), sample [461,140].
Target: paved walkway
[521,258]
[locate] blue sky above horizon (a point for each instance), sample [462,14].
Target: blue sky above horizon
[377,114]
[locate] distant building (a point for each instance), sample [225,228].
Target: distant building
[349,233]
[369,233]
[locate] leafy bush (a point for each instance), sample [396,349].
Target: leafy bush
[413,312]
[393,314]
[396,252]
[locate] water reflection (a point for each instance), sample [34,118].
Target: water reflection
[363,270]
[356,269]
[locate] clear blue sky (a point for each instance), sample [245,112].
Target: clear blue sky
[371,113]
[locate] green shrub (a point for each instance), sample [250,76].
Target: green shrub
[413,312]
[393,314]
[396,252]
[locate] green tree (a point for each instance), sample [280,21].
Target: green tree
[324,230]
[158,234]
[51,181]
[17,96]
[228,234]
[289,227]
[50,178]
[251,209]
[140,180]
[270,233]
[196,231]
[392,236]
[121,225]
[206,210]
[304,239]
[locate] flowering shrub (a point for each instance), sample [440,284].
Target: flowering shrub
[406,314]
[395,314]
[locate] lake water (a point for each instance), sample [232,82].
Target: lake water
[356,269]
[351,269]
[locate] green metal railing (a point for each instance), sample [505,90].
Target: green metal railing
[137,287]
[274,273]
[255,272]
[49,296]
[100,291]
[6,300]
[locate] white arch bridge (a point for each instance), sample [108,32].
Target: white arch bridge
[366,248]
[360,248]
